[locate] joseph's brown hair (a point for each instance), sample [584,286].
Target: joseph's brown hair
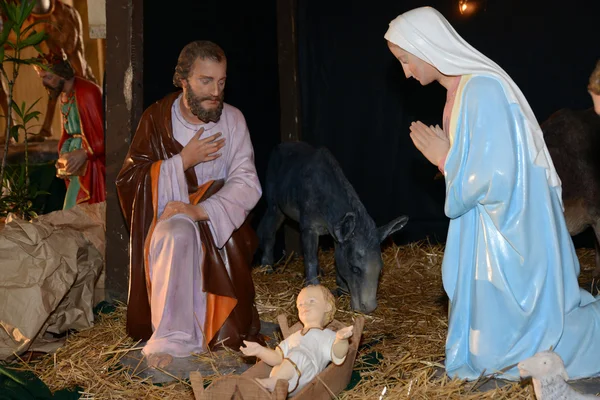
[203,49]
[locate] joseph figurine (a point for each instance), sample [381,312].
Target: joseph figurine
[186,188]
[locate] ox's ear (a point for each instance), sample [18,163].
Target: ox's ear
[394,226]
[344,228]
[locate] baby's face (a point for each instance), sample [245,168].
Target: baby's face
[312,307]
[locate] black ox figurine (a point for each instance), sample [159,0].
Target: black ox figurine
[308,186]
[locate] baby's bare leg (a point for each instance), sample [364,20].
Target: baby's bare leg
[285,371]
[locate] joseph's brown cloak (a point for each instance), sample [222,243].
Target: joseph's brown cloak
[152,143]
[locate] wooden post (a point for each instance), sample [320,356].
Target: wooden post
[124,106]
[101,60]
[289,93]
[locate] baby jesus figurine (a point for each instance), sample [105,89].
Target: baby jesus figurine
[305,353]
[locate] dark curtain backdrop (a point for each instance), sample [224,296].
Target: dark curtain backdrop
[247,32]
[357,102]
[355,99]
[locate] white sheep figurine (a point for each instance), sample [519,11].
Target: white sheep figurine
[549,377]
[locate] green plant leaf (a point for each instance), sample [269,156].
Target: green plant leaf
[12,45]
[10,58]
[38,48]
[21,11]
[38,22]
[31,115]
[10,10]
[14,132]
[25,9]
[40,193]
[9,373]
[5,31]
[16,108]
[3,8]
[33,105]
[26,61]
[34,39]
[36,63]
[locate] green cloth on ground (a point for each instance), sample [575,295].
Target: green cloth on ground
[24,385]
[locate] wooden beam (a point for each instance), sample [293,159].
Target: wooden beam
[124,106]
[289,93]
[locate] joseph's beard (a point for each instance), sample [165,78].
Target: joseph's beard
[203,114]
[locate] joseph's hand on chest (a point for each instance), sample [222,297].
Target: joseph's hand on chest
[201,150]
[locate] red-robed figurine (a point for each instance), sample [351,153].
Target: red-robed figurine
[81,147]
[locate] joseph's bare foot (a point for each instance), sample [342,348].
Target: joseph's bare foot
[159,360]
[268,383]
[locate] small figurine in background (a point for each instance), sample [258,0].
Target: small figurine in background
[304,354]
[81,146]
[549,376]
[594,88]
[62,23]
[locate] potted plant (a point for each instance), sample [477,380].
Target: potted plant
[16,195]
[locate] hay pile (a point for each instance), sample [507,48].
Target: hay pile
[90,360]
[408,330]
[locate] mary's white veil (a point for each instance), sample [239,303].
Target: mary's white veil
[425,33]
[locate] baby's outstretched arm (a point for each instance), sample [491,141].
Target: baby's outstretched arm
[269,356]
[340,345]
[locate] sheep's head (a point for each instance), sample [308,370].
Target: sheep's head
[545,364]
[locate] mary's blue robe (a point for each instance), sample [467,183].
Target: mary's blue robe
[510,268]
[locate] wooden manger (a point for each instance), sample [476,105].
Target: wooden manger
[328,384]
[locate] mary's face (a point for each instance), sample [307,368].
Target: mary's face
[413,66]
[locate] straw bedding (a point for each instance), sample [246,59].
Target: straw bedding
[406,333]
